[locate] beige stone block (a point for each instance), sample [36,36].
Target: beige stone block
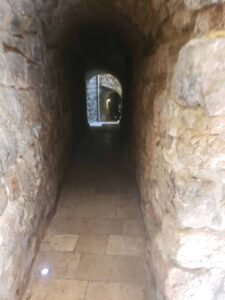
[199,4]
[210,19]
[114,291]
[90,243]
[133,227]
[128,211]
[111,268]
[193,248]
[58,289]
[104,226]
[68,225]
[60,264]
[11,107]
[199,75]
[125,245]
[59,242]
[4,199]
[16,74]
[195,199]
[183,285]
[94,210]
[109,200]
[182,20]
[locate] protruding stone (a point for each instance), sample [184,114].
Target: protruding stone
[8,150]
[16,70]
[183,285]
[210,19]
[182,20]
[199,4]
[200,75]
[3,199]
[193,248]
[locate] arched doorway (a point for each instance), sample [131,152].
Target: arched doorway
[104,96]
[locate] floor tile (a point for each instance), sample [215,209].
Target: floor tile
[58,289]
[68,225]
[109,199]
[133,227]
[114,291]
[125,245]
[104,226]
[129,211]
[94,210]
[93,248]
[90,243]
[60,264]
[59,242]
[111,268]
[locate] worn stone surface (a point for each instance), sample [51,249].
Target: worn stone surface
[198,4]
[210,19]
[111,265]
[182,284]
[28,151]
[199,75]
[4,199]
[179,134]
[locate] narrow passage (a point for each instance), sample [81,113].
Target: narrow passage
[94,246]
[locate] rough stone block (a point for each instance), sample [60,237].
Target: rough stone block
[3,199]
[158,262]
[195,201]
[174,283]
[217,126]
[10,108]
[8,150]
[2,68]
[183,285]
[182,20]
[193,249]
[211,19]
[200,75]
[199,4]
[6,15]
[16,70]
[13,187]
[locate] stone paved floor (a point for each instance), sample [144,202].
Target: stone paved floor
[93,248]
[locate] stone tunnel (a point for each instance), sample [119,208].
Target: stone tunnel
[170,59]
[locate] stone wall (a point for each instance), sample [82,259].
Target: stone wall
[180,151]
[34,133]
[110,82]
[92,99]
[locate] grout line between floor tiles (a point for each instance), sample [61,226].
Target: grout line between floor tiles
[85,295]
